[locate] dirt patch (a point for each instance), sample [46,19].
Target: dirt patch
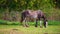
[11,31]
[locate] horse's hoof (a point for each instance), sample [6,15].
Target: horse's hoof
[45,27]
[27,26]
[15,29]
[41,27]
[35,26]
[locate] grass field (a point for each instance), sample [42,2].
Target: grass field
[53,28]
[16,29]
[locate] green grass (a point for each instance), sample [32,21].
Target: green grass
[7,27]
[29,30]
[50,22]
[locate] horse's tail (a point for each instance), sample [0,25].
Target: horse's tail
[24,14]
[22,17]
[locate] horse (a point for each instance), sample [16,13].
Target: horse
[33,14]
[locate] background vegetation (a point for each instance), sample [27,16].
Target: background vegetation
[10,10]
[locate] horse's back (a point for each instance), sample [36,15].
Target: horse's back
[33,13]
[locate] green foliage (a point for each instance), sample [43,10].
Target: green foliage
[3,22]
[47,6]
[26,4]
[57,3]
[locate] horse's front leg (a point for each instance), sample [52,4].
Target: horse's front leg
[45,24]
[41,23]
[36,22]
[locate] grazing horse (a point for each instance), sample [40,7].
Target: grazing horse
[36,15]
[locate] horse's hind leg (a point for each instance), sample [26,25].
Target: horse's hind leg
[27,24]
[24,22]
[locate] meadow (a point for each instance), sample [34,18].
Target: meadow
[10,8]
[7,27]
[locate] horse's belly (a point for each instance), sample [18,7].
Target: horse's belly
[34,16]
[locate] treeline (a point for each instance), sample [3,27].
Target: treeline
[28,4]
[11,8]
